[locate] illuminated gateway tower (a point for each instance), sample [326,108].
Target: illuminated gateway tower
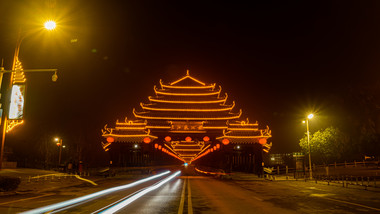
[191,121]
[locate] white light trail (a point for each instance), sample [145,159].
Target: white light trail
[91,196]
[134,197]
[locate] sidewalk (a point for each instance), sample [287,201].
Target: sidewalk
[254,177]
[240,176]
[36,180]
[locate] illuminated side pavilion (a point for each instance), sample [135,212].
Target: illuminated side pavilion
[186,119]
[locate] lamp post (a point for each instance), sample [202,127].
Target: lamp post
[17,74]
[310,116]
[60,145]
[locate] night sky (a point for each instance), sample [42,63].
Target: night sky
[277,60]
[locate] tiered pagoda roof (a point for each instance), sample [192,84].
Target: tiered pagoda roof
[127,131]
[187,99]
[184,108]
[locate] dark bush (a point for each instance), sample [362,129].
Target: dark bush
[9,183]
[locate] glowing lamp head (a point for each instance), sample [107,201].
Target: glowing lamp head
[147,140]
[110,139]
[188,139]
[206,138]
[54,78]
[185,164]
[155,145]
[310,116]
[159,147]
[168,138]
[56,139]
[225,141]
[262,141]
[58,144]
[50,25]
[214,148]
[237,147]
[218,146]
[135,146]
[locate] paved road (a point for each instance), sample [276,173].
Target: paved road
[199,194]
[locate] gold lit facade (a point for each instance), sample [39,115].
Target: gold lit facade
[187,119]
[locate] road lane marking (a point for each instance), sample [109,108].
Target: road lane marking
[67,203]
[194,177]
[355,204]
[321,195]
[182,202]
[189,203]
[257,198]
[47,175]
[89,181]
[138,194]
[25,199]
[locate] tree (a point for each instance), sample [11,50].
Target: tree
[327,145]
[47,150]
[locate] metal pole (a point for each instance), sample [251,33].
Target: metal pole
[308,144]
[4,106]
[3,140]
[60,152]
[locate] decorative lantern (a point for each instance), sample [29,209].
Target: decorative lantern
[263,141]
[218,146]
[159,147]
[206,138]
[188,139]
[214,148]
[147,140]
[168,138]
[110,139]
[155,145]
[225,141]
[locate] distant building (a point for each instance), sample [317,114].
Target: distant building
[187,120]
[285,159]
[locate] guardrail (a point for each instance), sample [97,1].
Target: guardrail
[330,169]
[54,177]
[362,174]
[346,181]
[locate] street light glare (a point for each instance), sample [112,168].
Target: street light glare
[310,116]
[50,25]
[56,139]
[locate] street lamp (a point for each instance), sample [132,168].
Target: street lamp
[50,25]
[60,145]
[310,116]
[17,77]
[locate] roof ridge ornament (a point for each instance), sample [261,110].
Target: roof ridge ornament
[190,77]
